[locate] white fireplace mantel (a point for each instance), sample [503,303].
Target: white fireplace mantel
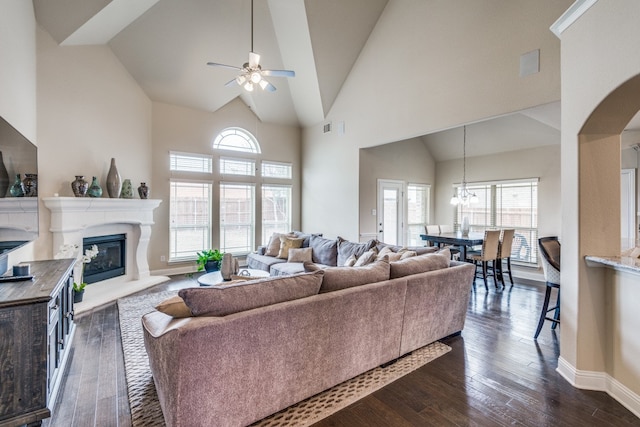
[74,218]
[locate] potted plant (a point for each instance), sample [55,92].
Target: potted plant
[209,260]
[68,251]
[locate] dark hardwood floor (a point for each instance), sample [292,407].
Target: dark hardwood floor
[495,375]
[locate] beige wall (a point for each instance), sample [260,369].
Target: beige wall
[89,110]
[182,129]
[427,66]
[407,161]
[18,79]
[599,333]
[542,162]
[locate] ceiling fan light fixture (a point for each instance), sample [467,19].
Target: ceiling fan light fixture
[263,84]
[248,86]
[256,77]
[241,79]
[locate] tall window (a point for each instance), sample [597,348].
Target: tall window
[276,210]
[237,218]
[506,204]
[190,219]
[417,212]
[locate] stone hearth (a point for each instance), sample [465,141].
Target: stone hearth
[74,218]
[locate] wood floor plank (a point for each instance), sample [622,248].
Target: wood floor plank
[495,375]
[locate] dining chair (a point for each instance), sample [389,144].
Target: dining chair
[504,253]
[550,257]
[431,229]
[488,254]
[446,228]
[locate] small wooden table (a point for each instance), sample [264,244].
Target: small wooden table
[456,239]
[215,277]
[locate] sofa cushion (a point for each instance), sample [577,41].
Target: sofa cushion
[287,243]
[366,258]
[262,262]
[418,264]
[300,255]
[174,307]
[325,251]
[347,248]
[220,300]
[273,247]
[420,250]
[336,278]
[305,236]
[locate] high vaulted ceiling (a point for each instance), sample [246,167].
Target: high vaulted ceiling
[165,45]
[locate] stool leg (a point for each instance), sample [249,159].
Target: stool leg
[543,313]
[556,313]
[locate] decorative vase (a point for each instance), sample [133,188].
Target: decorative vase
[4,177]
[17,189]
[465,226]
[127,190]
[30,183]
[228,266]
[79,186]
[113,180]
[143,190]
[94,190]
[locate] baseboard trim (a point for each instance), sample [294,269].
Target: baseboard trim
[600,381]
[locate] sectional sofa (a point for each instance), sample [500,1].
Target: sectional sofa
[232,355]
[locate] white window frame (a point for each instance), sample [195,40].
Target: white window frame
[288,166]
[252,222]
[286,226]
[174,227]
[218,141]
[251,165]
[427,207]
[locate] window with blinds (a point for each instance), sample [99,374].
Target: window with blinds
[276,170]
[186,162]
[237,215]
[246,167]
[189,219]
[417,212]
[506,204]
[276,210]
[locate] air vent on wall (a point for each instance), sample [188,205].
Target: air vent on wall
[326,128]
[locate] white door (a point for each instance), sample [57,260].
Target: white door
[390,211]
[628,208]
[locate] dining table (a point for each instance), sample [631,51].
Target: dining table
[458,239]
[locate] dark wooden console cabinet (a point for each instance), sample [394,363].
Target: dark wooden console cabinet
[36,329]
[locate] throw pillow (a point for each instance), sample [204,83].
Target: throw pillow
[224,300]
[273,247]
[300,255]
[351,261]
[391,255]
[325,251]
[366,258]
[418,264]
[347,248]
[445,252]
[305,236]
[336,278]
[287,243]
[407,254]
[174,307]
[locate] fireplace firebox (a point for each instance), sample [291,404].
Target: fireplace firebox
[111,259]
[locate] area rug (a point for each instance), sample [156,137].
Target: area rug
[143,400]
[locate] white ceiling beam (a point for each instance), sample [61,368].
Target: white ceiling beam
[112,19]
[292,32]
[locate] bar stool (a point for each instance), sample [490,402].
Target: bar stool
[550,251]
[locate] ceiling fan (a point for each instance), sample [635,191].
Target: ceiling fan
[251,73]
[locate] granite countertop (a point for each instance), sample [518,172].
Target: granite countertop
[622,263]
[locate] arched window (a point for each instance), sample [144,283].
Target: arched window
[236,139]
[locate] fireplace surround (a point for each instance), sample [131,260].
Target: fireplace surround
[76,218]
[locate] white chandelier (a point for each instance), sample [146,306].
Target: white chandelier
[463,196]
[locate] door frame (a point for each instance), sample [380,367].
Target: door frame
[629,177]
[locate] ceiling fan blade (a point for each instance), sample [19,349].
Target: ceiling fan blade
[215,64]
[232,82]
[265,85]
[279,73]
[254,60]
